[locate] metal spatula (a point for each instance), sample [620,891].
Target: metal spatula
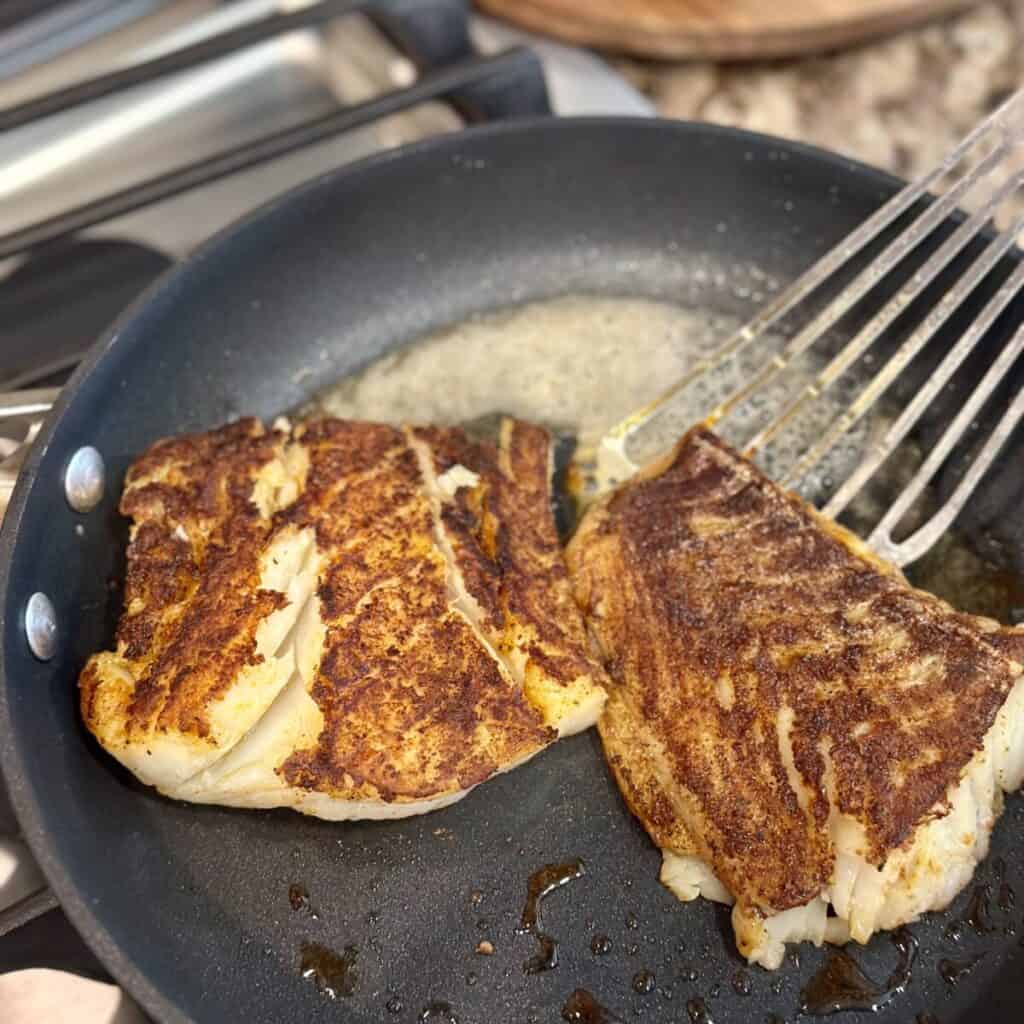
[994,151]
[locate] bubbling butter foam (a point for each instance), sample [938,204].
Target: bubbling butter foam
[580,364]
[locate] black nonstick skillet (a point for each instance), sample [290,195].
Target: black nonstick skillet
[189,906]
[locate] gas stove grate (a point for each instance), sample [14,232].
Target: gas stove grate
[433,33]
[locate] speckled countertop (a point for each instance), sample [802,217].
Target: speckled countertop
[898,103]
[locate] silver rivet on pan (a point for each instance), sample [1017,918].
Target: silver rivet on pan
[84,479]
[41,626]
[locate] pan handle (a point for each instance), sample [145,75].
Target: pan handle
[31,404]
[28,908]
[34,932]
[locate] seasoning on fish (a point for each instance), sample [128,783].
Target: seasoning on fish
[346,618]
[797,728]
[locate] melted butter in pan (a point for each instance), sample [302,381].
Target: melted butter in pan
[577,364]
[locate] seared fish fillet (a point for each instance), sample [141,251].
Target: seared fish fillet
[795,726]
[212,592]
[348,619]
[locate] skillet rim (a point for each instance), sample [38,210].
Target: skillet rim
[25,796]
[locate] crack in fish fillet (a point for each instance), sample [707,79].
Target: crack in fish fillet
[476,491]
[438,489]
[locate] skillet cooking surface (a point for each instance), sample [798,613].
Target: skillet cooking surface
[189,906]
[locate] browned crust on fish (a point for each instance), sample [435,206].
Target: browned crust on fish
[192,601]
[506,545]
[470,517]
[414,706]
[413,698]
[635,756]
[717,600]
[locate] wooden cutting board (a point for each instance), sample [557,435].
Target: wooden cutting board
[729,29]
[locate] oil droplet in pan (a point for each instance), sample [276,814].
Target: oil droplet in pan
[1007,897]
[542,883]
[643,983]
[582,1008]
[978,914]
[841,985]
[741,983]
[954,971]
[438,1012]
[334,974]
[698,1012]
[298,897]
